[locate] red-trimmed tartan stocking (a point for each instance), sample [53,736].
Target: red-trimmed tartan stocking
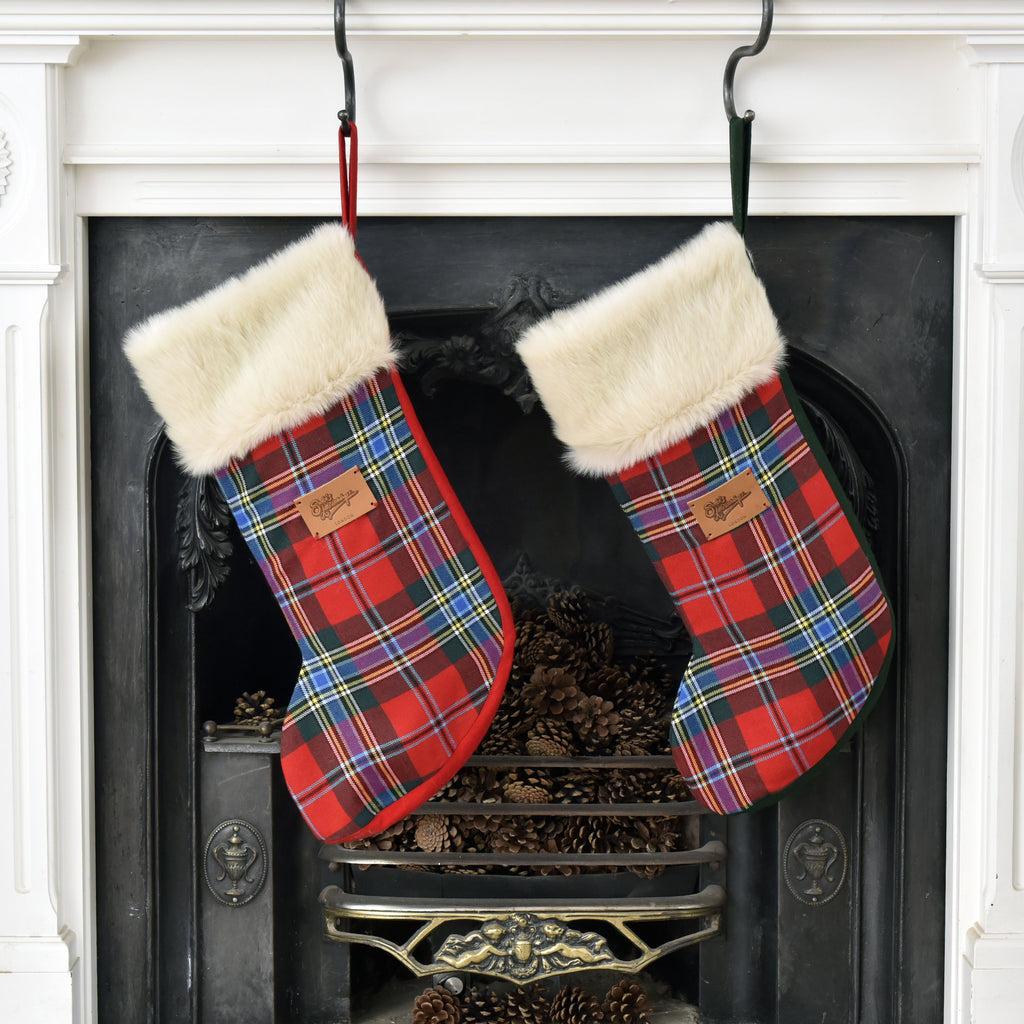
[281,382]
[668,384]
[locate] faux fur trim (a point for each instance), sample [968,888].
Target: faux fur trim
[645,363]
[263,352]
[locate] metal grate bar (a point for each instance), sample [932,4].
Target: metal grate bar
[665,810]
[523,761]
[709,853]
[651,908]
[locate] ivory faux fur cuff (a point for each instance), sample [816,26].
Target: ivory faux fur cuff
[263,352]
[643,364]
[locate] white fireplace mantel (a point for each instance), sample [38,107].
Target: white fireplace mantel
[503,107]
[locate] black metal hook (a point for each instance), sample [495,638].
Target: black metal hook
[767,14]
[347,114]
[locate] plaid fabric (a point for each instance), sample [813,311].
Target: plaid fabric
[404,631]
[789,622]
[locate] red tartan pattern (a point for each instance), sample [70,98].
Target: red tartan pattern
[404,630]
[790,625]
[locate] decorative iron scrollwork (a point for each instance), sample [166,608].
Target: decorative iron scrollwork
[204,544]
[849,469]
[489,357]
[235,864]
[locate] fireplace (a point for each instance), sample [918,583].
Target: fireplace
[747,933]
[166,108]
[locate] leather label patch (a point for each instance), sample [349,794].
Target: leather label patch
[729,505]
[336,503]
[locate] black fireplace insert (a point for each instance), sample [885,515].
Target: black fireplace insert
[215,903]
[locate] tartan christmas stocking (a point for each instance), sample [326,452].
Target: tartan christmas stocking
[669,385]
[282,383]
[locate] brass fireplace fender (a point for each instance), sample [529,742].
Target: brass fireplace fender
[532,940]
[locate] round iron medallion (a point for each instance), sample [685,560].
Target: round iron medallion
[815,862]
[235,863]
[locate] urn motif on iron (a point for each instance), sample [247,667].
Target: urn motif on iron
[815,862]
[235,863]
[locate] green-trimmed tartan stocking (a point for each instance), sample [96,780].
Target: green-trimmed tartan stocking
[282,383]
[669,385]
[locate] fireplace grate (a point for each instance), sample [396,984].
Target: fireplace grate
[537,939]
[523,939]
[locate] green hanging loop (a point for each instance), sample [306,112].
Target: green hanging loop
[739,169]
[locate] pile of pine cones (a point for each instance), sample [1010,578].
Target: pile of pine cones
[566,697]
[625,1003]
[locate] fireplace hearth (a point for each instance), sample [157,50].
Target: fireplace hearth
[777,916]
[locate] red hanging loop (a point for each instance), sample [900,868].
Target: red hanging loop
[348,164]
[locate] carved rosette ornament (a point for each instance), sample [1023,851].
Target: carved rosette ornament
[235,863]
[523,946]
[815,862]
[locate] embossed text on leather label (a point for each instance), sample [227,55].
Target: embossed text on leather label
[336,503]
[729,505]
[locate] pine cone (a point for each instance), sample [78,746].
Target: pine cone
[572,1005]
[255,707]
[539,747]
[528,631]
[597,722]
[570,790]
[521,793]
[484,826]
[626,786]
[649,835]
[610,682]
[482,1006]
[474,786]
[639,733]
[549,737]
[632,786]
[627,1003]
[553,692]
[550,650]
[433,833]
[436,1006]
[663,786]
[556,846]
[599,643]
[396,837]
[528,786]
[581,787]
[528,1005]
[587,835]
[645,698]
[653,675]
[513,720]
[570,613]
[516,835]
[460,835]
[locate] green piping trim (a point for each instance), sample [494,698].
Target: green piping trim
[876,690]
